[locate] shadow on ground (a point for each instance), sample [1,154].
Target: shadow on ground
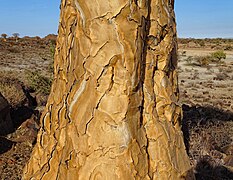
[207,132]
[5,145]
[21,114]
[206,171]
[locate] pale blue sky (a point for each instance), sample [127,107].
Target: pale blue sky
[204,18]
[195,18]
[29,17]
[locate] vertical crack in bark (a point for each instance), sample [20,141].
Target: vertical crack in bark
[145,32]
[121,9]
[81,13]
[49,159]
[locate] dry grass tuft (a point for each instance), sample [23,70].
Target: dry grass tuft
[10,88]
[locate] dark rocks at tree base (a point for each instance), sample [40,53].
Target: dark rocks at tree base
[6,124]
[27,132]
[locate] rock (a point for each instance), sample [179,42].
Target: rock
[27,132]
[6,124]
[30,124]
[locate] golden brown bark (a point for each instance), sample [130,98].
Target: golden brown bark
[113,112]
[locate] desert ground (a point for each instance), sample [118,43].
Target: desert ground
[26,69]
[205,94]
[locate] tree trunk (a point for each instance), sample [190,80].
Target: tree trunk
[113,112]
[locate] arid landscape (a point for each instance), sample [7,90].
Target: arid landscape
[205,80]
[206,97]
[26,69]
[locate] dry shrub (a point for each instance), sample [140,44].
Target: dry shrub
[229,69]
[221,77]
[195,76]
[228,48]
[203,60]
[189,60]
[10,87]
[12,93]
[220,69]
[13,50]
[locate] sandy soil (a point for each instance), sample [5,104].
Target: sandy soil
[27,54]
[201,85]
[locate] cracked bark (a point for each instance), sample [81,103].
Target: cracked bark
[113,111]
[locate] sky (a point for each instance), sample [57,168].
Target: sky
[204,18]
[29,17]
[195,18]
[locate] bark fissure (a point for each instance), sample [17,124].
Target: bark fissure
[144,55]
[80,12]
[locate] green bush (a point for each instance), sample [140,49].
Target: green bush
[218,55]
[52,47]
[39,83]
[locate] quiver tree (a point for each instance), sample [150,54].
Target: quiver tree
[4,36]
[16,36]
[112,112]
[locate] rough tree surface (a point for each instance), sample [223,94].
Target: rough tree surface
[112,112]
